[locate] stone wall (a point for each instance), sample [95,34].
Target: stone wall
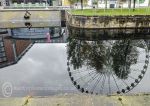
[136,21]
[107,33]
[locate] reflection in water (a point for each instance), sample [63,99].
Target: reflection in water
[28,25]
[41,72]
[3,31]
[14,43]
[103,65]
[12,50]
[106,66]
[37,33]
[112,33]
[124,54]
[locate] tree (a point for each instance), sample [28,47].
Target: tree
[83,2]
[129,3]
[124,55]
[73,1]
[96,57]
[104,57]
[134,1]
[82,52]
[73,53]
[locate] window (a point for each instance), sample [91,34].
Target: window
[2,54]
[1,49]
[3,59]
[1,43]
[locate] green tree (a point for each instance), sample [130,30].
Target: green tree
[96,57]
[75,1]
[83,2]
[117,57]
[124,55]
[73,55]
[81,52]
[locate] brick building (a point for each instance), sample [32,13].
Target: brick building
[11,50]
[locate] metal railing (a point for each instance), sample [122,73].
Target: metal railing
[36,6]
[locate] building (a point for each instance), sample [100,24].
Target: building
[34,3]
[123,4]
[65,3]
[5,2]
[88,4]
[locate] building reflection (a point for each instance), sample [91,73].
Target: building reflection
[12,50]
[102,66]
[14,43]
[36,33]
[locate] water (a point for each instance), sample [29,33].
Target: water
[74,61]
[41,72]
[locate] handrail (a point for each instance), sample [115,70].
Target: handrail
[38,7]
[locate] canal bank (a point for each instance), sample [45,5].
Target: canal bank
[108,21]
[108,33]
[79,100]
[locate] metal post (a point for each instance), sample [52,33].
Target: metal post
[46,5]
[14,49]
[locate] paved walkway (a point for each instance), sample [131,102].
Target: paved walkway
[12,19]
[79,100]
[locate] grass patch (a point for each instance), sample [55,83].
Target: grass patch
[111,12]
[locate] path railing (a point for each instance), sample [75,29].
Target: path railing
[36,6]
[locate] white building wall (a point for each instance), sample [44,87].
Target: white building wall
[145,3]
[89,3]
[3,3]
[101,4]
